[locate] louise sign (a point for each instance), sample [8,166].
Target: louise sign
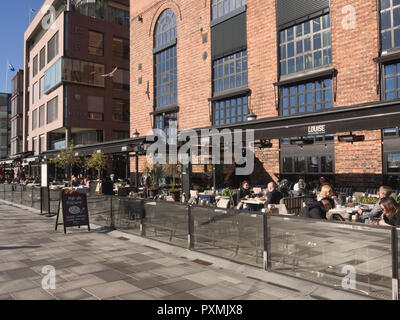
[74,209]
[320,129]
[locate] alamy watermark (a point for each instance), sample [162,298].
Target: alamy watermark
[49,280]
[188,146]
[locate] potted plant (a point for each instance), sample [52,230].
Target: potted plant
[98,162]
[67,158]
[228,193]
[172,171]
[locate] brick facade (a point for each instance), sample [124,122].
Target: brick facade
[353,51]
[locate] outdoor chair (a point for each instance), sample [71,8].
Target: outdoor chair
[169,199]
[294,204]
[224,203]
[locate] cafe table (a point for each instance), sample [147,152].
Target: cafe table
[255,204]
[347,212]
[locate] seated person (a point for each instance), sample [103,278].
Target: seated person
[391,212]
[326,192]
[376,212]
[317,209]
[273,195]
[86,182]
[75,182]
[244,194]
[300,188]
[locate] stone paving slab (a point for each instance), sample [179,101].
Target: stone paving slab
[111,289]
[98,265]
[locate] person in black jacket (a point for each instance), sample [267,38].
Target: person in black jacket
[273,195]
[391,212]
[244,194]
[317,209]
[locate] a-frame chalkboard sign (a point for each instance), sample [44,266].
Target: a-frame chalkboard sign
[74,209]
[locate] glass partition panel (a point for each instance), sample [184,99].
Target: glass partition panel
[167,222]
[128,216]
[36,198]
[231,234]
[347,256]
[8,192]
[54,196]
[99,208]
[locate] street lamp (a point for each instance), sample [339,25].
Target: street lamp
[136,134]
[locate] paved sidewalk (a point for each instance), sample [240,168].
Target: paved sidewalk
[100,265]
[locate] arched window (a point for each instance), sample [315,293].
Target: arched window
[165,77]
[165,71]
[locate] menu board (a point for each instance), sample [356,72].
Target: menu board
[74,209]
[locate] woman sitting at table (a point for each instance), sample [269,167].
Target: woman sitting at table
[244,194]
[391,212]
[326,192]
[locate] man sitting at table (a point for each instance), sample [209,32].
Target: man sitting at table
[317,209]
[273,195]
[376,212]
[244,194]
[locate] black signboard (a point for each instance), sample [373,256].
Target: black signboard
[74,209]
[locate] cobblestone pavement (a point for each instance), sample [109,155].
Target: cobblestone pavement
[106,264]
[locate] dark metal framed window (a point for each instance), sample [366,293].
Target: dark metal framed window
[390,24]
[168,122]
[390,133]
[230,72]
[118,16]
[166,76]
[310,96]
[392,163]
[121,48]
[220,8]
[391,81]
[230,111]
[35,66]
[52,48]
[311,164]
[96,43]
[120,110]
[165,60]
[42,59]
[165,31]
[305,46]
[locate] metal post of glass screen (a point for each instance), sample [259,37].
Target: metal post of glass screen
[190,228]
[267,244]
[395,264]
[111,213]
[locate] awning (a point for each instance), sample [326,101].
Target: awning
[371,116]
[27,161]
[124,146]
[6,162]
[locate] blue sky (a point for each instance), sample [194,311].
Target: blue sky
[14,19]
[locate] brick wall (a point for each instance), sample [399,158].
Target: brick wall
[359,164]
[353,51]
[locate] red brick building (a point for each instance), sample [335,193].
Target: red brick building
[319,76]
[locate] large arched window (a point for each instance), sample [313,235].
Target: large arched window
[165,60]
[165,71]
